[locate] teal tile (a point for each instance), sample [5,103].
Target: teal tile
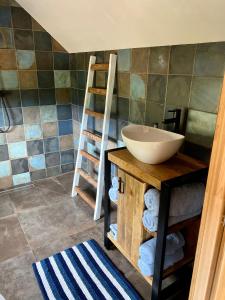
[156,88]
[210,59]
[62,79]
[33,132]
[178,90]
[37,162]
[48,113]
[154,114]
[182,59]
[9,80]
[17,150]
[137,112]
[21,178]
[200,128]
[124,58]
[159,60]
[138,87]
[5,168]
[25,59]
[205,93]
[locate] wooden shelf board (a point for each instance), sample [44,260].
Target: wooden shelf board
[153,175]
[175,227]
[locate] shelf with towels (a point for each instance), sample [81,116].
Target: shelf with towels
[137,178]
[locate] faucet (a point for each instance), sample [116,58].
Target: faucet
[176,119]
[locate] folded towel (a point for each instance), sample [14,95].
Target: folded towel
[115,182]
[185,199]
[170,260]
[114,230]
[113,194]
[151,222]
[174,241]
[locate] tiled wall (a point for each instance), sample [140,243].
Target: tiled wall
[34,69]
[152,81]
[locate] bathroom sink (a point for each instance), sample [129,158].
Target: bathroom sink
[151,145]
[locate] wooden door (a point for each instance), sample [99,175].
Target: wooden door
[206,267]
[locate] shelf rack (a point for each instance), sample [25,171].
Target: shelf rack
[180,169]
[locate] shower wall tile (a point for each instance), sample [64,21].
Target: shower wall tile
[124,85]
[67,156]
[35,71]
[139,60]
[138,87]
[159,60]
[124,60]
[156,89]
[123,108]
[137,112]
[182,59]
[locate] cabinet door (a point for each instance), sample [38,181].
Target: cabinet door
[129,215]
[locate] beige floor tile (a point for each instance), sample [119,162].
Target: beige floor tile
[6,207]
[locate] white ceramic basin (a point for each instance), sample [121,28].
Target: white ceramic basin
[151,145]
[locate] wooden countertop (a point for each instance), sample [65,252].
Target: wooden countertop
[178,165]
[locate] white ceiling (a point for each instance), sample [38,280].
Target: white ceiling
[88,25]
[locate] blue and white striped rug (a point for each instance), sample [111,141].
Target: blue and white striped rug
[82,272]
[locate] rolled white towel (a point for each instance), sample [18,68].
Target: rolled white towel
[115,182]
[174,241]
[114,230]
[113,194]
[151,222]
[186,199]
[148,269]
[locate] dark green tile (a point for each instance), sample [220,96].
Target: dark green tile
[13,99]
[20,18]
[67,168]
[159,60]
[23,39]
[6,38]
[9,80]
[39,174]
[45,79]
[156,88]
[29,98]
[154,114]
[205,93]
[44,60]
[61,61]
[182,59]
[123,108]
[47,96]
[5,16]
[200,128]
[137,112]
[124,60]
[210,59]
[62,79]
[42,41]
[178,90]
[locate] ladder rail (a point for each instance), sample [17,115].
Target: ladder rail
[90,80]
[105,133]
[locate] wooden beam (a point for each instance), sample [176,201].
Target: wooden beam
[97,91]
[211,229]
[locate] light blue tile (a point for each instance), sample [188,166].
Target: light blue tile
[124,56]
[2,139]
[21,178]
[5,168]
[25,59]
[33,132]
[138,87]
[37,162]
[1,118]
[17,150]
[48,113]
[9,80]
[62,79]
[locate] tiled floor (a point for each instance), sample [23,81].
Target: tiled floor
[38,221]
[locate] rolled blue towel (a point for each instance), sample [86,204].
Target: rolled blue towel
[174,241]
[186,199]
[114,230]
[151,222]
[113,194]
[148,269]
[115,182]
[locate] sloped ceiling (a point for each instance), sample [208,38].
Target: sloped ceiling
[88,25]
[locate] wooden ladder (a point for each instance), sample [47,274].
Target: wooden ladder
[85,134]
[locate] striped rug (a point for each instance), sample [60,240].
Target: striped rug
[82,272]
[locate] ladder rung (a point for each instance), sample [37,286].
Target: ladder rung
[100,67]
[97,91]
[88,178]
[86,197]
[92,136]
[95,114]
[89,157]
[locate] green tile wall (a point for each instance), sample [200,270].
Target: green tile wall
[34,69]
[152,81]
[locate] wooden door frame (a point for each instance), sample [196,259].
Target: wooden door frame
[211,229]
